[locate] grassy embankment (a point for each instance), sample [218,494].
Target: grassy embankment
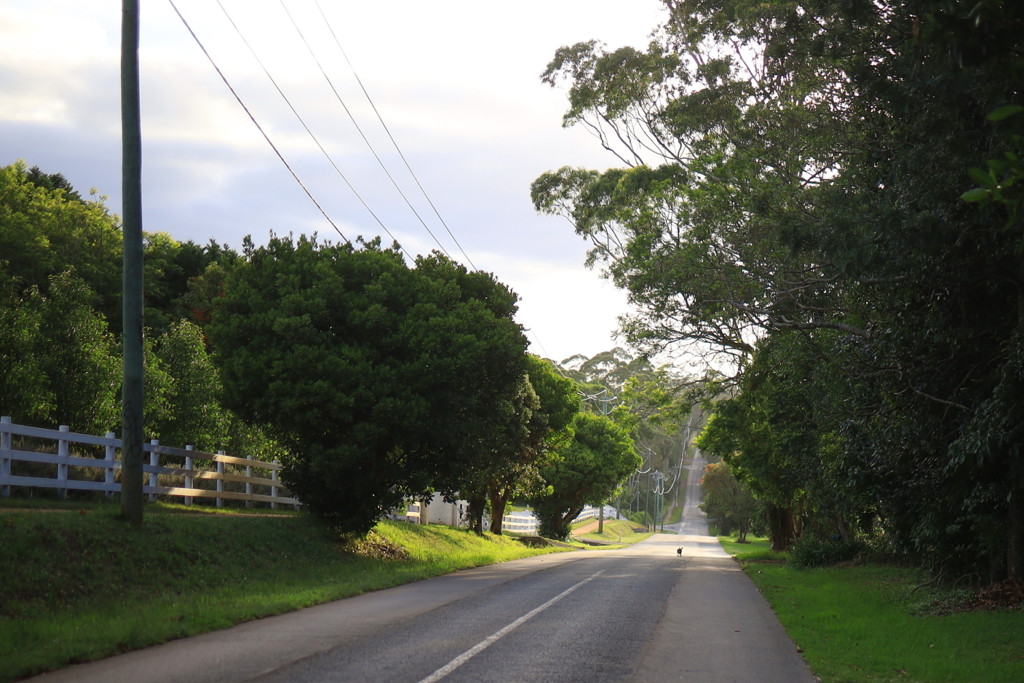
[618,531]
[79,584]
[866,622]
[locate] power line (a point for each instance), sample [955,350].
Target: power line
[256,123]
[302,121]
[391,137]
[320,146]
[360,130]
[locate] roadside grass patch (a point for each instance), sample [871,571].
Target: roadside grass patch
[863,623]
[675,515]
[756,549]
[80,584]
[618,531]
[866,622]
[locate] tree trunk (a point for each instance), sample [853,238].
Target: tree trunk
[844,529]
[475,512]
[499,499]
[780,523]
[1015,515]
[1015,537]
[425,511]
[567,520]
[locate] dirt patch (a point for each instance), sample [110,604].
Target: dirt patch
[377,547]
[1008,594]
[586,528]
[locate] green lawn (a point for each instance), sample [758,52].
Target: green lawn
[866,623]
[757,549]
[77,585]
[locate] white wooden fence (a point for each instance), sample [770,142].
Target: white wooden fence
[228,469]
[525,522]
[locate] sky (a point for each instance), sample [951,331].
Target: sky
[457,83]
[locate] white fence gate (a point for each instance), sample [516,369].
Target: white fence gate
[163,480]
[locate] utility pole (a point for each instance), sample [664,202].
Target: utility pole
[647,502]
[131,192]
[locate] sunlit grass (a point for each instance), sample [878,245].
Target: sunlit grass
[756,549]
[618,531]
[857,624]
[863,623]
[76,587]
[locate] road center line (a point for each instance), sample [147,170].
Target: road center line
[493,638]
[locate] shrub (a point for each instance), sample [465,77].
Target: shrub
[814,552]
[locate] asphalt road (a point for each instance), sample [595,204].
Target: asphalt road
[642,614]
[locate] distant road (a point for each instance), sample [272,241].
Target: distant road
[642,614]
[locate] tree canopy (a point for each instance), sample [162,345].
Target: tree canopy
[382,379]
[795,205]
[534,423]
[585,471]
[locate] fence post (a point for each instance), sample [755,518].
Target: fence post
[248,484]
[188,476]
[273,489]
[5,463]
[154,461]
[62,464]
[220,480]
[108,457]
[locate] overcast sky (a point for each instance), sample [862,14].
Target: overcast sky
[457,83]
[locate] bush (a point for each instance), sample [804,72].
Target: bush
[813,552]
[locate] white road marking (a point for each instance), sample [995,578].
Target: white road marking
[490,640]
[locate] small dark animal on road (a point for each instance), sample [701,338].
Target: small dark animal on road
[679,552]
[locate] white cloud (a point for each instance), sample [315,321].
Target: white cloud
[456,80]
[568,310]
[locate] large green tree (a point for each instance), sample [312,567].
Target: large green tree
[382,379]
[194,414]
[728,501]
[542,412]
[60,363]
[46,230]
[586,471]
[792,174]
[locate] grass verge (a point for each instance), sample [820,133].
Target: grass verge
[618,531]
[80,585]
[867,622]
[756,549]
[675,515]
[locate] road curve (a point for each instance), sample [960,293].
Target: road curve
[639,614]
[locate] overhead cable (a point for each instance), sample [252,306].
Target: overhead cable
[360,130]
[391,137]
[256,123]
[311,135]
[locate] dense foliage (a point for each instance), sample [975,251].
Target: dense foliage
[382,378]
[655,406]
[533,423]
[728,501]
[60,321]
[585,471]
[789,209]
[373,381]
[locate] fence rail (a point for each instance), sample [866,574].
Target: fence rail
[256,489]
